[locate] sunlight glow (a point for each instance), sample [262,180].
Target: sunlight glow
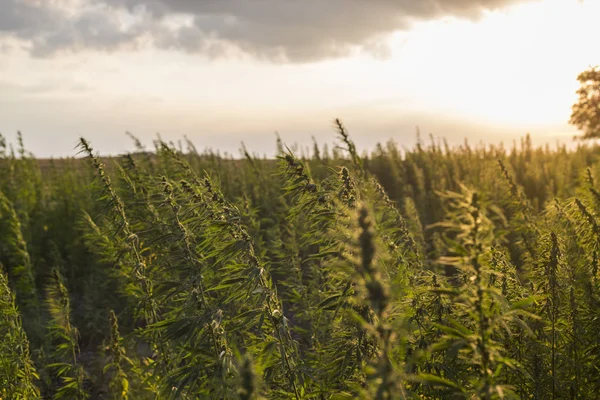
[513,70]
[514,67]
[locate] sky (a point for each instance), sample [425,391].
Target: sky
[225,71]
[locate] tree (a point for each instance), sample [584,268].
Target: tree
[586,112]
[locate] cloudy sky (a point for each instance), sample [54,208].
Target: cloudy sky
[226,71]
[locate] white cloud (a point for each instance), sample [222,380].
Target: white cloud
[280,30]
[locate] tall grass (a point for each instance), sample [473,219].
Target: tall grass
[466,272]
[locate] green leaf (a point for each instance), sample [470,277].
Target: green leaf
[435,380]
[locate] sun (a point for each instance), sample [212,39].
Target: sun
[516,66]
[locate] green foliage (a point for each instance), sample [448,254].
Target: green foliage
[15,256]
[65,338]
[432,273]
[118,381]
[17,372]
[586,112]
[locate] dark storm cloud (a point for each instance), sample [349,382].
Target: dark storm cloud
[295,30]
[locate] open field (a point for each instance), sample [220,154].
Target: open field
[431,273]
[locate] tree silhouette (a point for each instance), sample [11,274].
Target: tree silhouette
[586,112]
